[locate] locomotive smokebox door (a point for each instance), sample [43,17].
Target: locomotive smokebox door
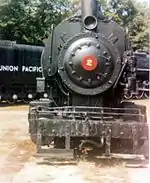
[40,85]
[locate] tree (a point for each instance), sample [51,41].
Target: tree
[138,32]
[30,21]
[130,14]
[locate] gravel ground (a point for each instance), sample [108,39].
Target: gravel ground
[18,165]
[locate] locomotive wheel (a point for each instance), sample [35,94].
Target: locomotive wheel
[26,101]
[128,96]
[139,95]
[10,101]
[146,95]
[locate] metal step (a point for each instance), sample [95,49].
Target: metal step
[52,153]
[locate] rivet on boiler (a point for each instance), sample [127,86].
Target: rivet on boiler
[80,78]
[104,53]
[98,46]
[98,77]
[73,72]
[89,80]
[70,63]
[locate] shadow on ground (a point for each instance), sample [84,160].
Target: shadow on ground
[5,104]
[97,161]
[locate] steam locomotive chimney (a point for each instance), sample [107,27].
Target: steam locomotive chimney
[89,11]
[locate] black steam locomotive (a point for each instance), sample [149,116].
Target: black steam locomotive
[19,67]
[88,64]
[142,88]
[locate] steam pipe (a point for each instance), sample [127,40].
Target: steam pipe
[89,12]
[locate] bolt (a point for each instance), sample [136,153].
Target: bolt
[104,75]
[65,46]
[98,77]
[107,64]
[121,133]
[128,54]
[89,44]
[72,54]
[98,46]
[80,78]
[70,63]
[62,68]
[104,53]
[89,80]
[53,131]
[109,58]
[73,72]
[110,82]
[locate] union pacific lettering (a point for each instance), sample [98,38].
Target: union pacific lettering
[10,68]
[31,69]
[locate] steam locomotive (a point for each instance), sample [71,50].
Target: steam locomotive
[88,64]
[19,67]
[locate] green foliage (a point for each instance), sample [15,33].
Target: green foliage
[30,21]
[138,32]
[124,9]
[130,15]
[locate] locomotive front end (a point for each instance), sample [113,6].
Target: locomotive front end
[88,65]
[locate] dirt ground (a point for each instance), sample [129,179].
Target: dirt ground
[18,165]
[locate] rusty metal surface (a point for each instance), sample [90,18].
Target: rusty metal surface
[92,121]
[121,130]
[127,123]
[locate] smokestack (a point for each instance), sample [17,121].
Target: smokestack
[89,11]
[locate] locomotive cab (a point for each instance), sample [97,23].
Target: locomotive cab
[88,65]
